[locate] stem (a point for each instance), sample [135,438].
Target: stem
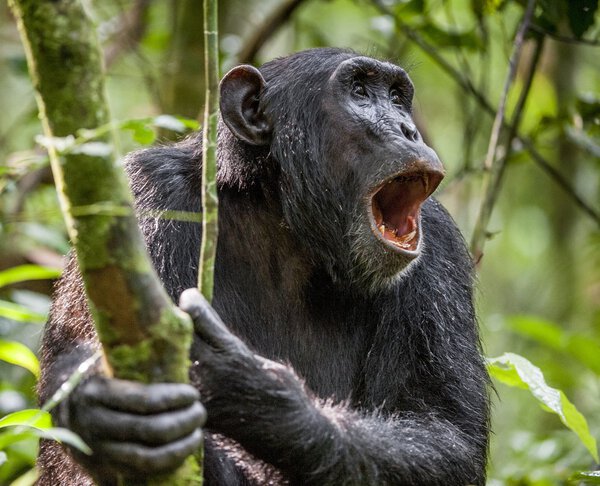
[210,203]
[494,179]
[492,182]
[512,63]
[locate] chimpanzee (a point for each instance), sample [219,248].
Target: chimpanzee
[341,346]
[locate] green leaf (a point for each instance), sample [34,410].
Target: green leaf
[189,123]
[586,477]
[17,312]
[95,149]
[23,273]
[27,479]
[18,354]
[581,15]
[170,123]
[32,417]
[25,431]
[142,133]
[514,370]
[67,437]
[14,435]
[38,423]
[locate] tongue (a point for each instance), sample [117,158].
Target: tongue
[399,203]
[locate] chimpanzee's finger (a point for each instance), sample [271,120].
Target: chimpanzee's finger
[130,396]
[147,429]
[136,457]
[207,323]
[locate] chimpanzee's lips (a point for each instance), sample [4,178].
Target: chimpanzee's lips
[396,209]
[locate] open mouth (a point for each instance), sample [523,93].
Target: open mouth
[396,209]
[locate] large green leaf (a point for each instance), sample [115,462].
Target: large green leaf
[20,355]
[20,313]
[514,370]
[27,272]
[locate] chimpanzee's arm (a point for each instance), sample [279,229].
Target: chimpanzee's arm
[265,407]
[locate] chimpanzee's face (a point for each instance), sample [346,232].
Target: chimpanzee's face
[374,143]
[353,171]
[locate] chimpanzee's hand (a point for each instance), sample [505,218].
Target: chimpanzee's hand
[240,389]
[133,428]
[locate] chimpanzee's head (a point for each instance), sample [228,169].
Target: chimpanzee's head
[351,169]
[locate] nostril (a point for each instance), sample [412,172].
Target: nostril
[410,132]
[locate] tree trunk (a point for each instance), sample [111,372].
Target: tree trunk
[144,336]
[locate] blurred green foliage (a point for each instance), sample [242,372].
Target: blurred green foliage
[539,290]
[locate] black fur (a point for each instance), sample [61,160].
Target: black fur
[392,386]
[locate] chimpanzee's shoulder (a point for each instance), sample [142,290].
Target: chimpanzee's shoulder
[164,176]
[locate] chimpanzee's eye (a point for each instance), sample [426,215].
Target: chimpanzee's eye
[395,96]
[359,89]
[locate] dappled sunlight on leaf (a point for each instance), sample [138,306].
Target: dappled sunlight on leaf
[514,370]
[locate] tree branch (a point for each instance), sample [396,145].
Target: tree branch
[512,70]
[263,32]
[493,180]
[494,165]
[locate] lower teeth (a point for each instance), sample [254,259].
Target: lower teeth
[407,237]
[403,240]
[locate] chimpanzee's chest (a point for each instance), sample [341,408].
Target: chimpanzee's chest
[327,345]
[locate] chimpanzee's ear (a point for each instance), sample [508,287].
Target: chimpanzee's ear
[241,89]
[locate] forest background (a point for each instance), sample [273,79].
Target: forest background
[538,255]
